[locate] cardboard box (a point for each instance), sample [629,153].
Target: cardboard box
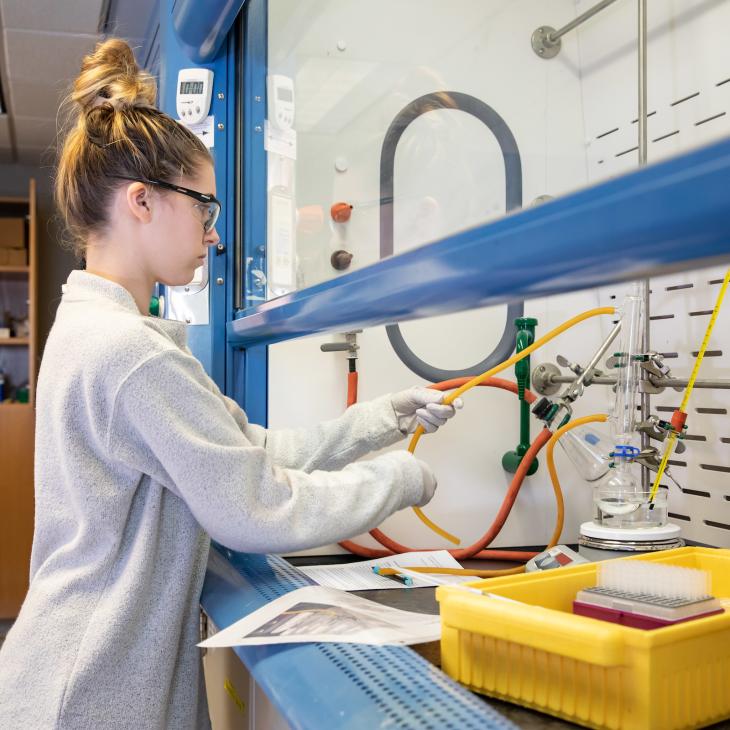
[13,257]
[12,233]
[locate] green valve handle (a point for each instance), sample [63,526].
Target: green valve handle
[524,338]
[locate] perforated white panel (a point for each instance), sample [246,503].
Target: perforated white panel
[688,105]
[688,81]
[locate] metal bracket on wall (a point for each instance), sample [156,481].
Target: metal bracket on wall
[546,40]
[543,44]
[349,345]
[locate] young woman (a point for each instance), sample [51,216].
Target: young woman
[140,459]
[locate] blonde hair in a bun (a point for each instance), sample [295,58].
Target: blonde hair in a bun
[110,75]
[115,129]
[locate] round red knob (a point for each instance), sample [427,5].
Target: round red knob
[341,212]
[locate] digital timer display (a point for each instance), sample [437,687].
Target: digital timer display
[191,87]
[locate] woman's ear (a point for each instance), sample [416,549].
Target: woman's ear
[139,202]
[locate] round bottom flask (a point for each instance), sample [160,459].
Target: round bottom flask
[620,502]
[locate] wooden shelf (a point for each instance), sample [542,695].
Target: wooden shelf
[14,341]
[18,285]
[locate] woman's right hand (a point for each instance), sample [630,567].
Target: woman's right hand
[429,483]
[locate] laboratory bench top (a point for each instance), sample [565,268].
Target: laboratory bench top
[423,600]
[353,685]
[350,685]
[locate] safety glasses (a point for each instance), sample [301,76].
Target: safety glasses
[209,204]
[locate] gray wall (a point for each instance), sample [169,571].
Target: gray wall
[54,263]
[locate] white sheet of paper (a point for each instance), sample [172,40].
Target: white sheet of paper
[280,141]
[204,131]
[360,577]
[318,614]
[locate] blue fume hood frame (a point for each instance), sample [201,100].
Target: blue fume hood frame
[242,374]
[203,28]
[670,216]
[666,217]
[212,39]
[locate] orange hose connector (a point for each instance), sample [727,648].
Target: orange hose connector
[351,388]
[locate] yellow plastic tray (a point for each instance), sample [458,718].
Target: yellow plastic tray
[536,653]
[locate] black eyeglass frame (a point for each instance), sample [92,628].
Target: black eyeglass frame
[200,197]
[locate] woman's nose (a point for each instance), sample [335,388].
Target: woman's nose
[212,237]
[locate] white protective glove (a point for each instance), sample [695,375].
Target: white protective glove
[429,483]
[422,407]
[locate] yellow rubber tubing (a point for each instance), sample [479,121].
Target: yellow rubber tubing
[488,374]
[596,418]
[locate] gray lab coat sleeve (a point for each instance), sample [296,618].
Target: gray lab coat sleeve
[361,429]
[169,421]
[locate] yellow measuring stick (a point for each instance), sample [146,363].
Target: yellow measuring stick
[690,384]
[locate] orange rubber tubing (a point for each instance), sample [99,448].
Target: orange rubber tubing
[596,418]
[477,549]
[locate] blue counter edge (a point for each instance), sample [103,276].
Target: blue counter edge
[335,685]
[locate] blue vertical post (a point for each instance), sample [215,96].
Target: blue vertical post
[248,376]
[207,342]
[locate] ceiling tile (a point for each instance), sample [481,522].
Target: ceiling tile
[45,57]
[31,99]
[70,16]
[41,68]
[33,132]
[44,44]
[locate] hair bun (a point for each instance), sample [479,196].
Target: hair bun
[110,75]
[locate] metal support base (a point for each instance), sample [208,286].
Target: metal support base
[597,542]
